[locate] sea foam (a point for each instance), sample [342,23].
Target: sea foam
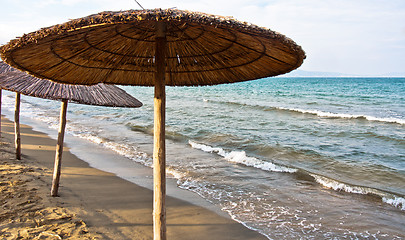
[345,115]
[241,158]
[388,198]
[398,202]
[319,113]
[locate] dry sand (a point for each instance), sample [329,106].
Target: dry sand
[26,210]
[93,204]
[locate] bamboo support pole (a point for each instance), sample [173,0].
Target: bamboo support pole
[59,150]
[17,126]
[159,148]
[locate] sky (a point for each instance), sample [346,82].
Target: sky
[359,37]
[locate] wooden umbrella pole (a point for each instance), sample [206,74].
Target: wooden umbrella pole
[159,148]
[59,150]
[17,127]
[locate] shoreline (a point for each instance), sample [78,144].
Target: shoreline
[110,161]
[113,207]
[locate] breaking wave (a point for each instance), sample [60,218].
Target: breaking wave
[319,113]
[389,198]
[241,158]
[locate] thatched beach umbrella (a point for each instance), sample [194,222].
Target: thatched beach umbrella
[154,48]
[100,95]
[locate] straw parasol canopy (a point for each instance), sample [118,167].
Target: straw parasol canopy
[5,67]
[119,48]
[160,47]
[100,95]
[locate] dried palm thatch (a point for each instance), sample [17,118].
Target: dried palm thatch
[100,94]
[5,67]
[119,48]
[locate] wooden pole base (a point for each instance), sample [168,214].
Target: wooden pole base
[59,150]
[17,127]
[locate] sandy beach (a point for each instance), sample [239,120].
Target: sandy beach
[93,204]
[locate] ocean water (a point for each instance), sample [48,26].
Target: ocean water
[292,158]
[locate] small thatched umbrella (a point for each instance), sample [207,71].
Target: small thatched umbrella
[100,95]
[154,48]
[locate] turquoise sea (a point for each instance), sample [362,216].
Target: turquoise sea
[292,158]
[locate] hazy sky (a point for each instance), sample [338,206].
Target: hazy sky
[365,37]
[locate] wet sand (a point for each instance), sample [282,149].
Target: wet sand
[92,204]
